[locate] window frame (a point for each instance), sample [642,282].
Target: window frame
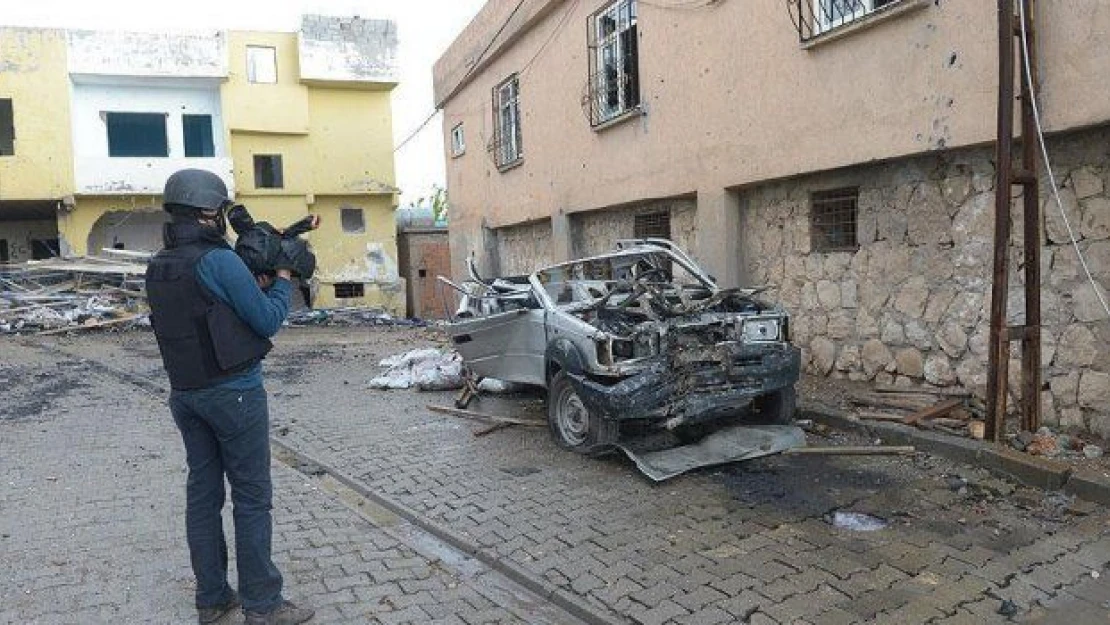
[279,178]
[644,223]
[826,224]
[347,210]
[508,143]
[211,138]
[614,62]
[458,140]
[7,117]
[252,65]
[114,147]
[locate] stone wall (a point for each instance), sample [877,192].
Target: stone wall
[912,305]
[597,232]
[525,248]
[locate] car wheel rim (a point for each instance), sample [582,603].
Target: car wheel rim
[572,417]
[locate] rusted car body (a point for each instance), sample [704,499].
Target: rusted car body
[640,334]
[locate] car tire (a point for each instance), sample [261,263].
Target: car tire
[572,425]
[776,407]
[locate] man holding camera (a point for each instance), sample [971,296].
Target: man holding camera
[213,321]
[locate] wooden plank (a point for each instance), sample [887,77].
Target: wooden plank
[489,429]
[480,416]
[916,390]
[878,401]
[939,410]
[869,415]
[91,326]
[890,450]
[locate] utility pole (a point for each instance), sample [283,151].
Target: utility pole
[1009,175]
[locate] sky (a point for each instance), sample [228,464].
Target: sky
[425,29]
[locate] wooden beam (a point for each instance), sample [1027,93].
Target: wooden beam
[891,450]
[489,418]
[938,410]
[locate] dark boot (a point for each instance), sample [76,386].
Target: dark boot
[206,616]
[286,614]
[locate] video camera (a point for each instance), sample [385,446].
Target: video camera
[266,249]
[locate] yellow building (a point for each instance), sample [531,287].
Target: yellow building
[295,123]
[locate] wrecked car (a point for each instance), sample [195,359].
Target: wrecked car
[640,337]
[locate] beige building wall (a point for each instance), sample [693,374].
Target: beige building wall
[731,98]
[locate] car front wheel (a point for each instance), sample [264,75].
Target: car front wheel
[572,425]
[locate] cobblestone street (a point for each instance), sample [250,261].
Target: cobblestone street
[386,512]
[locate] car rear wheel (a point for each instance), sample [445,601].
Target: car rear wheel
[572,425]
[776,407]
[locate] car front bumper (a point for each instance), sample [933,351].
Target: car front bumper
[694,385]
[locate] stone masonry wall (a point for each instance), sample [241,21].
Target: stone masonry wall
[597,232]
[912,305]
[525,248]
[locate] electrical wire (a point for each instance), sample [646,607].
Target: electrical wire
[558,27]
[470,71]
[1048,165]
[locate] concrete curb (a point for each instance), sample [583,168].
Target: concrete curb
[515,572]
[1030,470]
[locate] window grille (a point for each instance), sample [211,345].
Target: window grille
[344,290]
[507,144]
[833,220]
[652,226]
[816,17]
[613,51]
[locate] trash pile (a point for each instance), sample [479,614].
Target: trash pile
[349,316]
[62,294]
[1045,442]
[427,369]
[433,369]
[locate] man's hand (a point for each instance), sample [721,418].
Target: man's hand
[285,273]
[265,280]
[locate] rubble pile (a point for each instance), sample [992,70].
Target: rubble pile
[62,294]
[1045,442]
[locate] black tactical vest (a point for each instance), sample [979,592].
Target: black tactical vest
[203,342]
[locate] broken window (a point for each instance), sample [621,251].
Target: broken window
[507,145]
[267,171]
[7,128]
[652,226]
[352,220]
[614,85]
[41,249]
[261,64]
[833,220]
[197,130]
[345,290]
[137,134]
[458,141]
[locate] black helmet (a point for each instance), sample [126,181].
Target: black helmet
[195,188]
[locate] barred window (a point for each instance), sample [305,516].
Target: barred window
[614,82]
[833,220]
[652,226]
[347,290]
[816,17]
[507,144]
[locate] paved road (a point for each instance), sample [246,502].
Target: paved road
[746,543]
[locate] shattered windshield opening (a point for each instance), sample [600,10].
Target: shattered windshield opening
[619,279]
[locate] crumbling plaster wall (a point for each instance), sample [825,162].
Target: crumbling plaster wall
[524,248]
[912,304]
[348,49]
[596,232]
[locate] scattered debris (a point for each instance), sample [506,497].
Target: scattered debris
[1008,608]
[1092,451]
[480,416]
[857,521]
[349,316]
[427,369]
[891,450]
[62,294]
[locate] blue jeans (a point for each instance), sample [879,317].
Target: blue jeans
[226,432]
